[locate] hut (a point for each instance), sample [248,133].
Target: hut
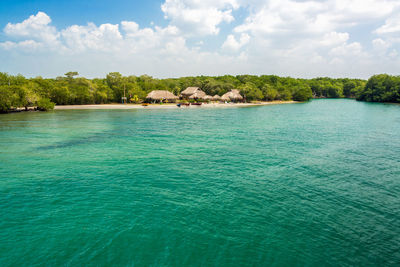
[225,97]
[207,98]
[188,92]
[161,96]
[216,98]
[233,95]
[198,95]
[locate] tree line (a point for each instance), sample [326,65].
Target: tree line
[70,89]
[381,88]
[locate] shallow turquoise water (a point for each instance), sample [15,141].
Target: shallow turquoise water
[288,185]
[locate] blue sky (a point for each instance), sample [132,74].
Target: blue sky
[65,13]
[172,38]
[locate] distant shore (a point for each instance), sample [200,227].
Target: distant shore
[167,106]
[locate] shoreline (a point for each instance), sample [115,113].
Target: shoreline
[167,106]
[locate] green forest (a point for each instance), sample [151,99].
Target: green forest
[70,89]
[381,88]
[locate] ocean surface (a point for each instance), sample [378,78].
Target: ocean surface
[311,184]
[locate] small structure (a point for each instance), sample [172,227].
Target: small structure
[188,92]
[225,98]
[198,95]
[161,96]
[207,98]
[233,95]
[216,98]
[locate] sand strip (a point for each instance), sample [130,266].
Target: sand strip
[167,106]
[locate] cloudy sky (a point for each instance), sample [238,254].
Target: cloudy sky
[173,38]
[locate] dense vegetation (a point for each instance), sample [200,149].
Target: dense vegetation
[381,88]
[18,91]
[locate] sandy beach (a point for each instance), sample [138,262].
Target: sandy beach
[167,106]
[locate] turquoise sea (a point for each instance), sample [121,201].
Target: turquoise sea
[311,184]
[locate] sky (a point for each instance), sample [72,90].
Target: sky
[175,38]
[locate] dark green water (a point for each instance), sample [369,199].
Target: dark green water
[311,184]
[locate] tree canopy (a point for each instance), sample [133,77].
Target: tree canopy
[18,91]
[381,88]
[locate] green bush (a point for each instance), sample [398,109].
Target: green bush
[45,104]
[302,94]
[381,88]
[5,99]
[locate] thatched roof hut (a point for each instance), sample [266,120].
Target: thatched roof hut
[207,97]
[233,95]
[159,95]
[236,96]
[198,95]
[216,98]
[225,97]
[188,92]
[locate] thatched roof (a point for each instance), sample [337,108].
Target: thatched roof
[190,91]
[225,97]
[233,95]
[207,97]
[161,95]
[216,97]
[236,95]
[198,94]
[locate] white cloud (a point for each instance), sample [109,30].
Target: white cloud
[335,38]
[312,37]
[310,17]
[24,46]
[95,50]
[130,27]
[380,45]
[36,27]
[347,50]
[282,16]
[196,17]
[394,54]
[285,37]
[28,45]
[392,25]
[232,44]
[357,11]
[106,37]
[37,33]
[32,25]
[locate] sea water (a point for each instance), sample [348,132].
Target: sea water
[310,184]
